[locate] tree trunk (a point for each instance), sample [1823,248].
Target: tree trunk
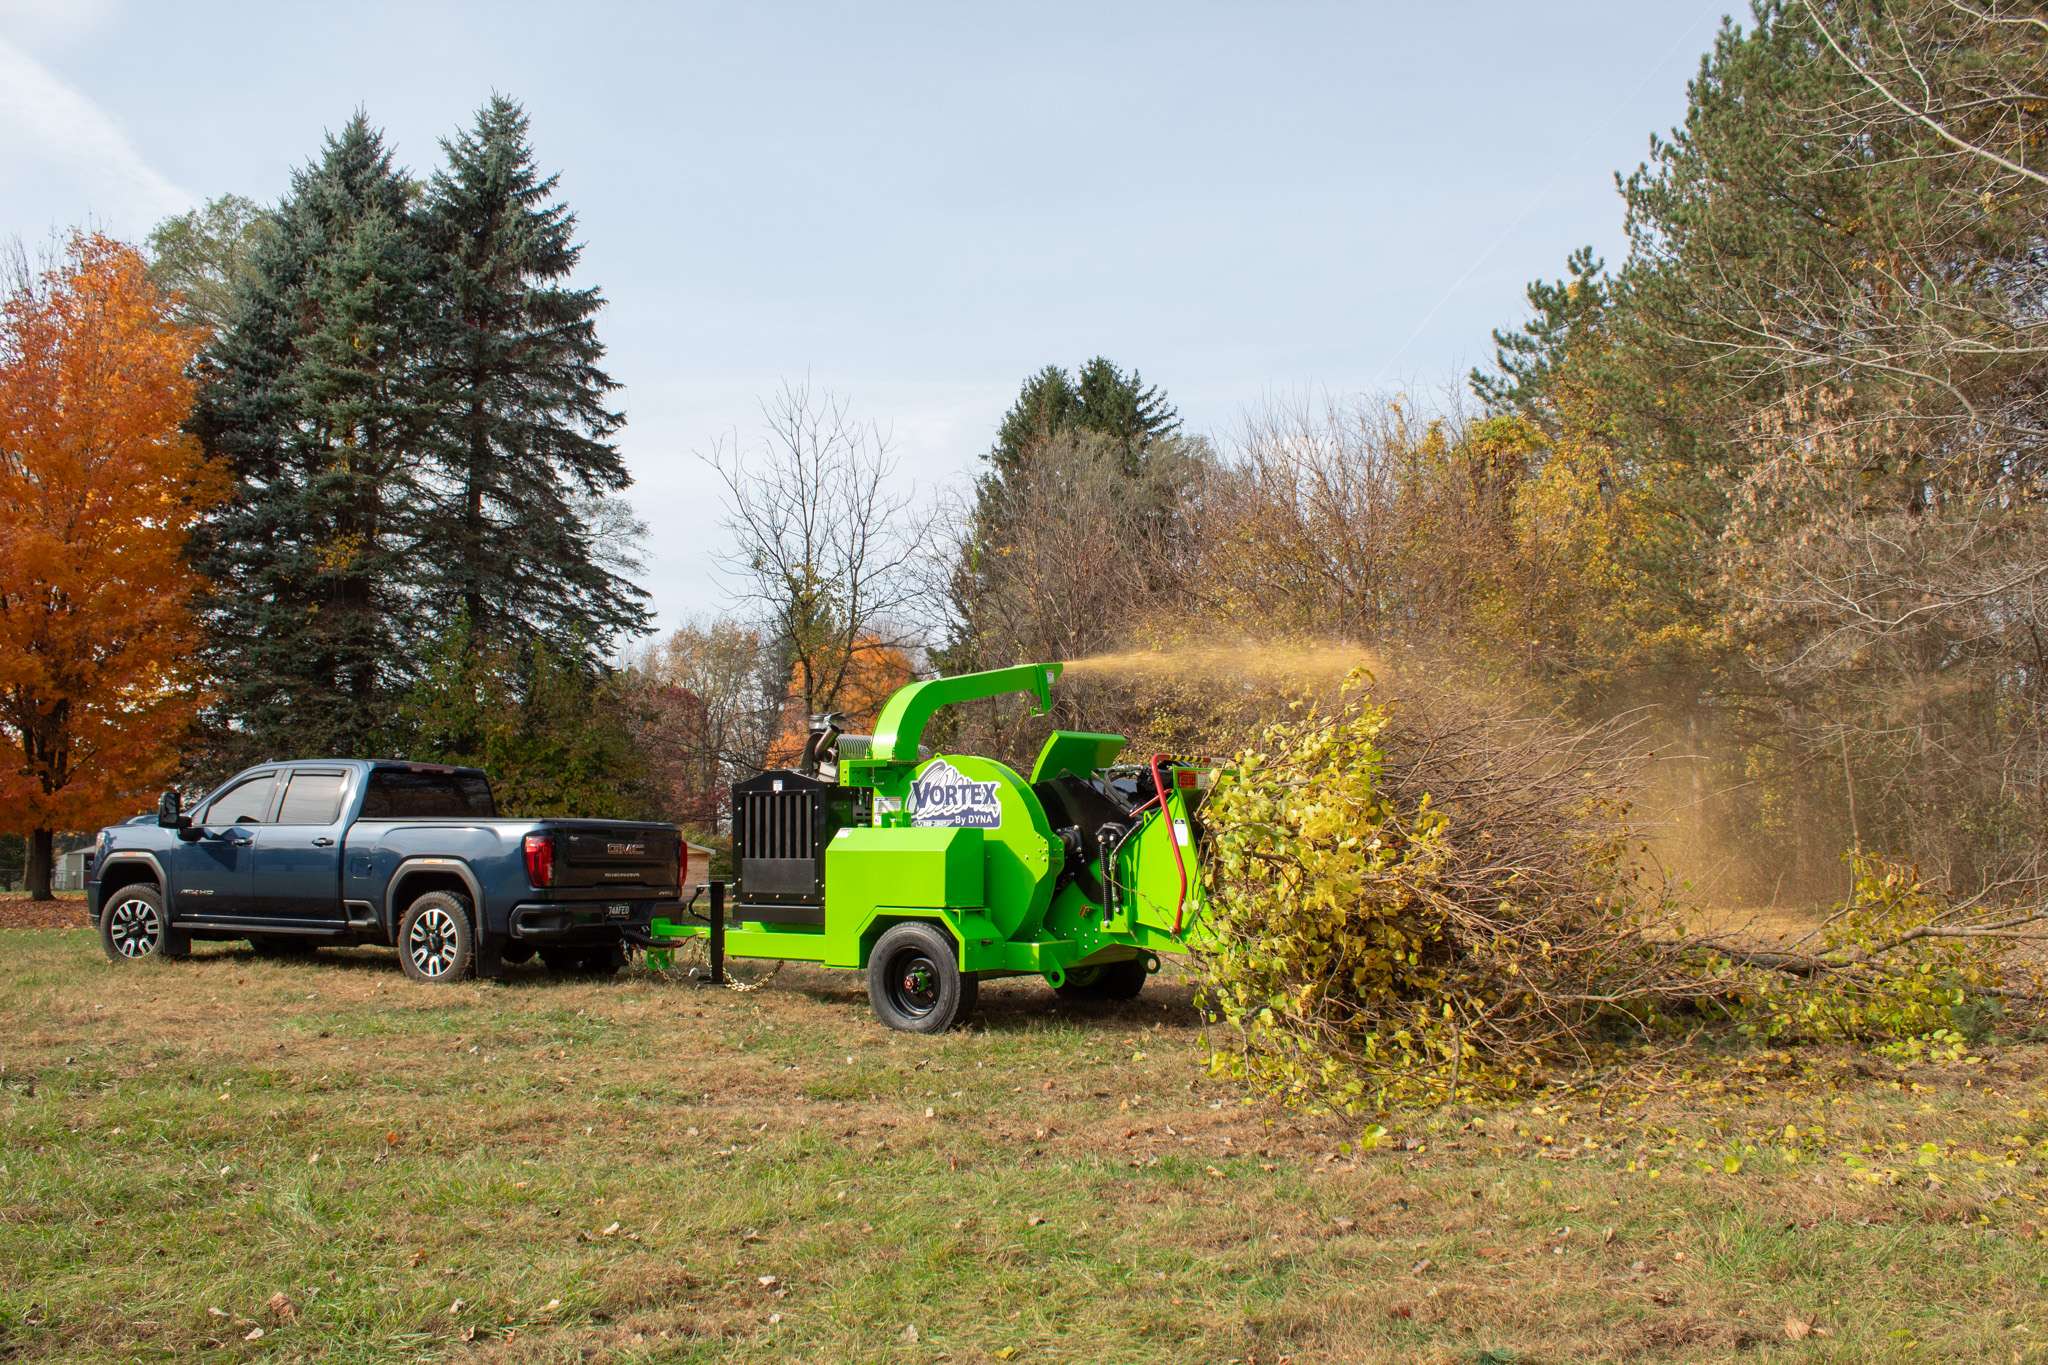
[36,875]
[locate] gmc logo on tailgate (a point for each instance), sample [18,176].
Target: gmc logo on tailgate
[625,850]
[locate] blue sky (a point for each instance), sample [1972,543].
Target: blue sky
[918,204]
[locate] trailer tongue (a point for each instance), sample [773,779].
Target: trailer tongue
[934,873]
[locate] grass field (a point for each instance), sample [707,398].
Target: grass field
[234,1158]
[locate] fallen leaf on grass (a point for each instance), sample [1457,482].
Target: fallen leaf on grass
[910,1332]
[253,1334]
[282,1308]
[1797,1328]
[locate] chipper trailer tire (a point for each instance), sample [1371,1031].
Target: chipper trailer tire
[935,872]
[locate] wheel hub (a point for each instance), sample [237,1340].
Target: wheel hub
[133,926]
[917,985]
[431,944]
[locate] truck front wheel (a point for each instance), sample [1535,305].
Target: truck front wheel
[915,982]
[435,940]
[133,925]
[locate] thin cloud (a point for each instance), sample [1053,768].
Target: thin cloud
[44,119]
[60,21]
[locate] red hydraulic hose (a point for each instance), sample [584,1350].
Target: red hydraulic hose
[1159,784]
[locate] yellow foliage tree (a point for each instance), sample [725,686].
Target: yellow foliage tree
[99,488]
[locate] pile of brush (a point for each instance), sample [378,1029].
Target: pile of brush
[1442,899]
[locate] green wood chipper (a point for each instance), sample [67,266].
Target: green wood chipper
[933,872]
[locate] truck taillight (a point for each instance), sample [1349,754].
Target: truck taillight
[682,863]
[540,859]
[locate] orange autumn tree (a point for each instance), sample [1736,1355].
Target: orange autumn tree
[99,488]
[873,672]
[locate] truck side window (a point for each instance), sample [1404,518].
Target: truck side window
[246,803]
[311,799]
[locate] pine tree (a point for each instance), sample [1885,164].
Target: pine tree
[321,407]
[1525,360]
[1124,408]
[1098,403]
[523,445]
[1099,398]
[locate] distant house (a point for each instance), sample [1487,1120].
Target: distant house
[69,873]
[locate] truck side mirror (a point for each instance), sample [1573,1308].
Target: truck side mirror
[168,814]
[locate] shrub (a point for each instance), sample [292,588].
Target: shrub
[1426,903]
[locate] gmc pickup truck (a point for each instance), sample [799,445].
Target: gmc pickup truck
[413,855]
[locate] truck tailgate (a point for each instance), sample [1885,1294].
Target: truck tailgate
[614,853]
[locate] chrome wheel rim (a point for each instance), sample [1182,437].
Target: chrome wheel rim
[432,942]
[133,926]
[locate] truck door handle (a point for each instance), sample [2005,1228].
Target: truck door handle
[323,842]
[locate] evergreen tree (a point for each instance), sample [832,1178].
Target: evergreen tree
[1525,360]
[1100,398]
[320,406]
[523,446]
[1054,413]
[555,739]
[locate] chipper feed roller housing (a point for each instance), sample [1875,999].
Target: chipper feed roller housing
[933,872]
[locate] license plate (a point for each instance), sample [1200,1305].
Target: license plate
[618,912]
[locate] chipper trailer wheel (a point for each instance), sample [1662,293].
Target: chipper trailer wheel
[1106,981]
[915,981]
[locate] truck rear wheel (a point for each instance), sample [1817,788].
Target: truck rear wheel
[915,982]
[435,940]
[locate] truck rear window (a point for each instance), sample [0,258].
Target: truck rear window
[404,794]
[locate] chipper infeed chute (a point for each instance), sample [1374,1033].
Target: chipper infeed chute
[933,872]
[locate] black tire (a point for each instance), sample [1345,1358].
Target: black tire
[915,982]
[600,961]
[134,925]
[436,941]
[271,945]
[1106,980]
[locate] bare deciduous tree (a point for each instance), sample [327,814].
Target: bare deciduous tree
[730,675]
[825,542]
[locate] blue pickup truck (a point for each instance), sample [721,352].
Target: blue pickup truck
[413,855]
